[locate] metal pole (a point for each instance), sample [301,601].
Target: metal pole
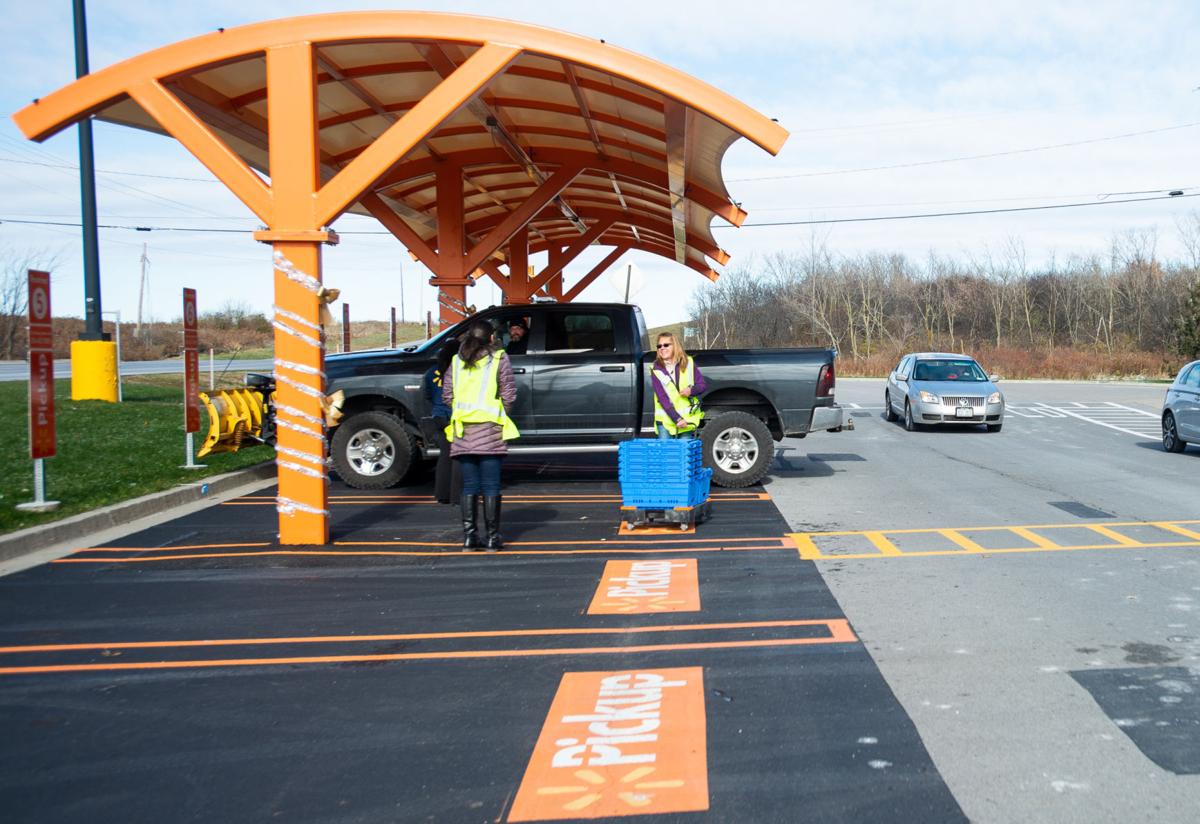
[628,277]
[39,502]
[93,327]
[212,371]
[191,463]
[392,328]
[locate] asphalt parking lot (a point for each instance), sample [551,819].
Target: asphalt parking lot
[932,626]
[198,671]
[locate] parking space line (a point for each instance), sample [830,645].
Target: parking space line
[838,630]
[411,636]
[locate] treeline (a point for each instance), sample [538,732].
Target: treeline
[872,307]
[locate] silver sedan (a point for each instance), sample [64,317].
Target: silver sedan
[1181,410]
[939,388]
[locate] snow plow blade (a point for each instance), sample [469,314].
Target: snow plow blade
[234,415]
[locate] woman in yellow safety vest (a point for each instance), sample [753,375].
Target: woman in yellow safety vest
[479,389]
[678,385]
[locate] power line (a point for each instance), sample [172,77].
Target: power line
[74,168]
[964,157]
[1103,196]
[210,230]
[956,214]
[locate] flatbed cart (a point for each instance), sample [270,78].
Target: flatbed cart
[687,517]
[663,483]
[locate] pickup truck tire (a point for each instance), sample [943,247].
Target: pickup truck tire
[738,448]
[372,450]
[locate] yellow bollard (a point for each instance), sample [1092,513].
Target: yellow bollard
[93,370]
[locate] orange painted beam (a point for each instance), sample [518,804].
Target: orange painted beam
[302,502]
[558,263]
[294,154]
[518,290]
[640,174]
[182,124]
[519,217]
[395,224]
[597,270]
[436,107]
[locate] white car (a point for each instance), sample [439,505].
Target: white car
[929,388]
[1181,410]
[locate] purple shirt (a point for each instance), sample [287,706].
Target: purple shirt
[698,387]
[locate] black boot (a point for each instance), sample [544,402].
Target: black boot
[470,533]
[491,518]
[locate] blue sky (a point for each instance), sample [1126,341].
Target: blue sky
[861,85]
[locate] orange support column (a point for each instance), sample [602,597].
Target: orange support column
[450,278]
[518,267]
[303,500]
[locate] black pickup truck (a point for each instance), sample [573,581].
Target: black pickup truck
[583,385]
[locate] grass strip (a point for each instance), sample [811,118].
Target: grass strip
[107,452]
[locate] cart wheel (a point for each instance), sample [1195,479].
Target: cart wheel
[683,526]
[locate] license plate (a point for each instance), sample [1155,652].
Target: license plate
[964,412]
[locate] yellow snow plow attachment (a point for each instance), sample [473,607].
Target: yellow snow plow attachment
[233,415]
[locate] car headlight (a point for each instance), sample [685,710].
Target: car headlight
[994,397]
[929,397]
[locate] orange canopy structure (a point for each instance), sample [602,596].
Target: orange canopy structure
[475,141]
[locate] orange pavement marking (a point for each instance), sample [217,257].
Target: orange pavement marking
[630,742]
[839,633]
[638,587]
[615,550]
[416,636]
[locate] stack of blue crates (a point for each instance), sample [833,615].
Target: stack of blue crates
[662,474]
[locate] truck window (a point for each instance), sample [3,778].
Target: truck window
[580,332]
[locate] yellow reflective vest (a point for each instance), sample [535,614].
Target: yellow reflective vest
[477,397]
[687,408]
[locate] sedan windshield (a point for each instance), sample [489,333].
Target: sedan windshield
[965,371]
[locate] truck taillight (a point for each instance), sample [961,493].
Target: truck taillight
[825,381]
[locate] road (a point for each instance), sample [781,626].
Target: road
[19,370]
[1003,660]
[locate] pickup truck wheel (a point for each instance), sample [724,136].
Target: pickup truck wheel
[372,450]
[738,448]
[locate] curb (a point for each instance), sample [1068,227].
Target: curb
[26,541]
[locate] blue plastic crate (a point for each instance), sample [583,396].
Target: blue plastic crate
[662,474]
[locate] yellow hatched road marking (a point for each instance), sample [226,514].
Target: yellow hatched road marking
[962,540]
[808,549]
[1034,538]
[881,543]
[1124,540]
[1174,527]
[806,544]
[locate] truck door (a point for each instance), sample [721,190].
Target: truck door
[583,387]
